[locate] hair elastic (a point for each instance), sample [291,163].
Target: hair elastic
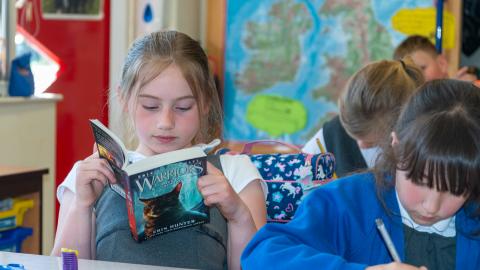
[403,64]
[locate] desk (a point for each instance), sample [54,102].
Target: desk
[41,262]
[26,183]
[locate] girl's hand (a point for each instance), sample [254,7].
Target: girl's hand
[395,266]
[217,191]
[93,173]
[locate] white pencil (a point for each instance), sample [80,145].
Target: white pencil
[387,240]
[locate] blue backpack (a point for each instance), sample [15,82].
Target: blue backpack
[289,177]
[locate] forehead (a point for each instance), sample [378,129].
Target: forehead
[420,56]
[170,83]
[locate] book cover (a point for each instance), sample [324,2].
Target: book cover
[160,191]
[166,198]
[111,148]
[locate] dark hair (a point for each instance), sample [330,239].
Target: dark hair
[438,136]
[412,44]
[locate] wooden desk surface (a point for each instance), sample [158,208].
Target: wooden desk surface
[41,262]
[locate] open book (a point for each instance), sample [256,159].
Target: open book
[160,191]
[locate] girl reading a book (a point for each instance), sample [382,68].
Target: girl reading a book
[425,188]
[169,94]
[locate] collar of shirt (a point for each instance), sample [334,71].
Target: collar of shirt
[370,155]
[444,227]
[133,157]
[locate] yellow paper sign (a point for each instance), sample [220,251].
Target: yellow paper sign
[276,115]
[422,21]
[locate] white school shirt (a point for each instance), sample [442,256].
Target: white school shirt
[368,154]
[238,169]
[445,228]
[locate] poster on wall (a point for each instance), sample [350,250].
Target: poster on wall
[286,61]
[72,9]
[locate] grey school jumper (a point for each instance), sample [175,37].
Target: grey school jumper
[200,247]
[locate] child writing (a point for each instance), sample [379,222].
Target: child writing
[425,188]
[369,106]
[169,94]
[433,65]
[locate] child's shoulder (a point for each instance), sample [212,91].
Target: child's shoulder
[240,171]
[236,162]
[234,159]
[353,189]
[358,181]
[353,197]
[468,220]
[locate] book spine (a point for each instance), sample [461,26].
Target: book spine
[130,208]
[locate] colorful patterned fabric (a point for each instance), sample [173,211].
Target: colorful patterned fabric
[289,178]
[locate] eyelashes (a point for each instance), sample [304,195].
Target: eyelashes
[183,109]
[150,108]
[156,108]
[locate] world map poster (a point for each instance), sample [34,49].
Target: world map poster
[286,61]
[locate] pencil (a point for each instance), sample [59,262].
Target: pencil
[320,146]
[387,240]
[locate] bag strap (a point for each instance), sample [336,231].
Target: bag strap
[247,148]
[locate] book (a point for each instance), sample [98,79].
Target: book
[160,191]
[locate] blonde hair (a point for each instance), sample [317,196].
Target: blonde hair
[412,44]
[150,55]
[371,102]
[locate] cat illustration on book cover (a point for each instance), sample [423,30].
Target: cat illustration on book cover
[165,210]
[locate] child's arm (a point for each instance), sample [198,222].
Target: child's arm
[240,232]
[243,218]
[253,197]
[74,227]
[76,222]
[314,239]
